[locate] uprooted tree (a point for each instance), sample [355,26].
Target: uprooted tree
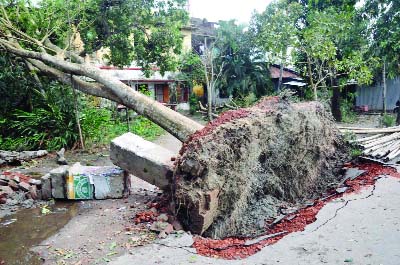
[232,174]
[145,32]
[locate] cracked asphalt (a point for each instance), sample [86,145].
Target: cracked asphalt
[359,228]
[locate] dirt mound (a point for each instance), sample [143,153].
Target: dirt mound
[237,172]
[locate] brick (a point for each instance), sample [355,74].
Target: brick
[3,183]
[6,191]
[33,192]
[24,186]
[14,185]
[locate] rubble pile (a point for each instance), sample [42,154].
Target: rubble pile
[17,189]
[16,158]
[235,175]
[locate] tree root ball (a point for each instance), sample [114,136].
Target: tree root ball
[234,176]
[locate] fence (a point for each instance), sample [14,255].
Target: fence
[372,95]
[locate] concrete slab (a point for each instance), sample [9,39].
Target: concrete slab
[57,176]
[143,159]
[361,228]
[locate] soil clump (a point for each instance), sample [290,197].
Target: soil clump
[233,176]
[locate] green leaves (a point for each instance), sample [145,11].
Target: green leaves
[275,30]
[145,31]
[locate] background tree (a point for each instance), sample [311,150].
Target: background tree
[276,32]
[245,70]
[383,19]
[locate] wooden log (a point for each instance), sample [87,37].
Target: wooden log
[371,131]
[393,154]
[365,139]
[382,149]
[385,151]
[366,128]
[382,140]
[376,148]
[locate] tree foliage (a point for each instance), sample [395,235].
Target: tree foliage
[244,70]
[146,32]
[383,17]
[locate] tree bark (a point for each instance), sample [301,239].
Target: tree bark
[176,124]
[314,87]
[280,76]
[335,100]
[384,87]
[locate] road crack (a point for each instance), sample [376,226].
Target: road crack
[344,205]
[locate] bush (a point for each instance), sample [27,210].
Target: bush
[193,101]
[388,120]
[246,101]
[346,107]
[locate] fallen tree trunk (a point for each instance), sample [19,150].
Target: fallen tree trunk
[233,175]
[109,87]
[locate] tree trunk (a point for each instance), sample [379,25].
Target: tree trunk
[280,76]
[314,87]
[173,122]
[335,100]
[384,87]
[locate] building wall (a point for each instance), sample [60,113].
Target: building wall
[187,39]
[372,95]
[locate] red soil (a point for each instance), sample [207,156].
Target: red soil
[234,248]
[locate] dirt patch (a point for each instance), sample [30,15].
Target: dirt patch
[235,174]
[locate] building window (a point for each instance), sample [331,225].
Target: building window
[159,89]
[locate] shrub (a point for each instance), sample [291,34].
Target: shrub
[388,120]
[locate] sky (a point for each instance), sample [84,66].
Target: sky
[214,10]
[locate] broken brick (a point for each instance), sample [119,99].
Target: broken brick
[5,190]
[24,186]
[33,192]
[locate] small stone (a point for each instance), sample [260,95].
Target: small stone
[14,185]
[3,200]
[177,225]
[39,195]
[341,190]
[15,178]
[162,235]
[6,191]
[3,183]
[33,192]
[168,230]
[158,226]
[27,203]
[162,217]
[24,186]
[60,157]
[36,182]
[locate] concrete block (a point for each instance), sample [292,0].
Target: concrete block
[46,187]
[143,159]
[58,184]
[105,182]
